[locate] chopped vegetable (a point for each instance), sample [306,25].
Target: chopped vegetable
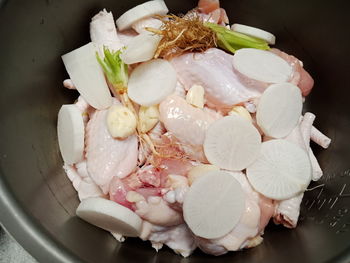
[199,171]
[141,48]
[70,132]
[232,143]
[116,72]
[87,76]
[279,109]
[281,171]
[232,41]
[115,69]
[182,35]
[190,34]
[254,32]
[147,9]
[110,216]
[262,66]
[214,199]
[151,82]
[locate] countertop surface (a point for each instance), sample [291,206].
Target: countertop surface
[11,251]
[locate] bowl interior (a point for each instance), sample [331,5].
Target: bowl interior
[38,200]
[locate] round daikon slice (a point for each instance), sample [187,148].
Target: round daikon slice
[147,9]
[151,82]
[262,65]
[110,216]
[140,48]
[279,109]
[213,205]
[232,143]
[281,171]
[199,171]
[70,133]
[254,32]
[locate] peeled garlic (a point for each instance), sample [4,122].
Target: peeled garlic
[121,122]
[148,117]
[134,197]
[240,111]
[200,170]
[195,96]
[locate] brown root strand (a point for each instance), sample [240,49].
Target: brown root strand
[183,34]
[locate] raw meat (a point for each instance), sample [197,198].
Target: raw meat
[187,123]
[106,156]
[213,70]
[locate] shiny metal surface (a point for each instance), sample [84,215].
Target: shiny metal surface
[37,201]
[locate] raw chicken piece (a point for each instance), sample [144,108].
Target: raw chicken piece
[150,181]
[82,183]
[213,70]
[207,6]
[180,90]
[149,176]
[246,233]
[108,157]
[300,77]
[118,237]
[178,187]
[267,210]
[187,123]
[156,133]
[306,128]
[68,83]
[175,166]
[157,211]
[118,191]
[319,138]
[287,211]
[103,31]
[140,25]
[82,105]
[155,136]
[146,182]
[178,238]
[85,108]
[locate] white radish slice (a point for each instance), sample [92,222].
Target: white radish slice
[87,76]
[254,32]
[110,216]
[141,48]
[199,171]
[214,204]
[152,82]
[282,170]
[147,9]
[70,133]
[262,65]
[279,109]
[232,143]
[141,25]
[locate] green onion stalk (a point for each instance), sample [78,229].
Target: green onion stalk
[232,41]
[116,72]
